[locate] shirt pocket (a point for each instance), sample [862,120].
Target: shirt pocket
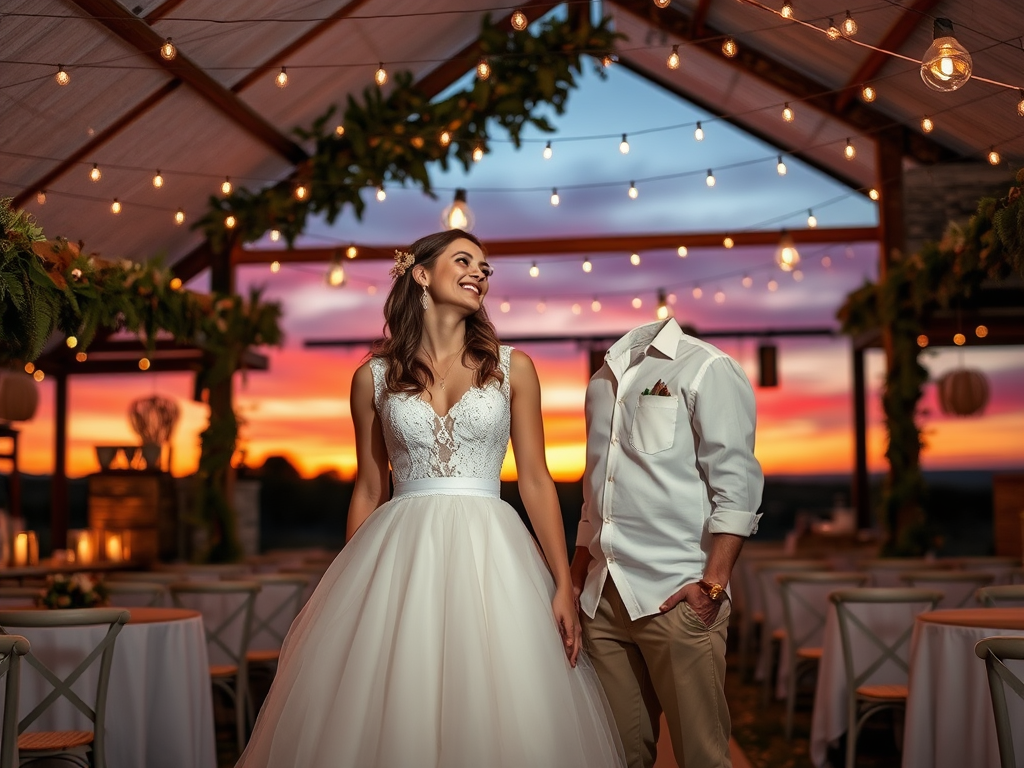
[654,423]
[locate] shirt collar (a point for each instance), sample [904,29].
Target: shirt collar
[663,335]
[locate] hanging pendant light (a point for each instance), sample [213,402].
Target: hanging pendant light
[458,215]
[787,256]
[946,65]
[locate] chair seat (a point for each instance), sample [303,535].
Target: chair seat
[883,692]
[223,670]
[39,741]
[779,634]
[263,657]
[809,652]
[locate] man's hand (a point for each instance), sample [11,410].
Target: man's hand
[705,608]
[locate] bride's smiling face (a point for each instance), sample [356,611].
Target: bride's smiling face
[459,276]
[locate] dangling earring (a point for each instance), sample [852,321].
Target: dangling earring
[424,300]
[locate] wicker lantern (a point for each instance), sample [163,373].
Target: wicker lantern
[19,396]
[963,392]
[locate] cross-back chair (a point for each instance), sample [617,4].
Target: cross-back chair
[996,651]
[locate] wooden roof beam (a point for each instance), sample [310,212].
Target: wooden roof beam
[700,17]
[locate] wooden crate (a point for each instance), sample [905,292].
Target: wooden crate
[1008,509]
[141,502]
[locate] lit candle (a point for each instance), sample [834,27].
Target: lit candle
[21,549]
[115,552]
[83,551]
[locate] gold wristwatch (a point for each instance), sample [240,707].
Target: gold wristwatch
[712,590]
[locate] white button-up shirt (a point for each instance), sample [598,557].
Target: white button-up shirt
[664,472]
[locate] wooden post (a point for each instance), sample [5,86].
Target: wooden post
[859,490]
[14,478]
[59,511]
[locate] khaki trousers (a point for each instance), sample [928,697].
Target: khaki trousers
[668,662]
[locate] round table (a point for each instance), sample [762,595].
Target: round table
[159,704]
[949,721]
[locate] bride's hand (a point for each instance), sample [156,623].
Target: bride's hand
[568,623]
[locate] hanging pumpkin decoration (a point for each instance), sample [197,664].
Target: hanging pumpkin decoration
[963,392]
[19,396]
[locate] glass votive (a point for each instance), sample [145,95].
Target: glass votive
[113,546]
[26,548]
[83,543]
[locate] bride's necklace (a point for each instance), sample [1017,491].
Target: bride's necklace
[434,365]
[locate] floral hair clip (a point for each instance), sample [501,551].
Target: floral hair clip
[403,260]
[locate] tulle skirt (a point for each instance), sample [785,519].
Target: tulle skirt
[430,641]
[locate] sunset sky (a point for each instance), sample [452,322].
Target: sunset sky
[299,408]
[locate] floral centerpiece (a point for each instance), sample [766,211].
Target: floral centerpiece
[75,591]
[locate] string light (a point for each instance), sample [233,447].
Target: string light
[673,58]
[39,375]
[994,157]
[826,261]
[478,153]
[62,77]
[336,277]
[71,341]
[282,78]
[548,152]
[29,367]
[728,242]
[144,363]
[380,77]
[555,199]
[519,20]
[729,47]
[115,207]
[301,192]
[275,235]
[787,256]
[167,50]
[275,267]
[607,60]
[633,191]
[576,308]
[719,296]
[41,197]
[381,194]
[179,217]
[225,186]
[634,259]
[710,180]
[458,215]
[158,180]
[351,252]
[95,174]
[981,331]
[587,266]
[682,251]
[663,3]
[444,139]
[81,357]
[595,306]
[698,132]
[1020,104]
[787,10]
[534,270]
[946,65]
[849,26]
[624,145]
[833,31]
[873,194]
[339,130]
[959,339]
[637,302]
[780,166]
[483,69]
[928,126]
[787,113]
[230,222]
[697,292]
[773,285]
[922,341]
[662,311]
[812,220]
[849,151]
[175,284]
[506,306]
[868,93]
[747,281]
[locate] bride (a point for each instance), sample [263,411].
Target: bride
[441,635]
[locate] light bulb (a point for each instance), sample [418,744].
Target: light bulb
[673,58]
[39,375]
[225,186]
[519,20]
[719,296]
[555,199]
[29,367]
[62,77]
[282,78]
[773,285]
[787,10]
[380,77]
[275,267]
[747,281]
[458,215]
[336,275]
[959,339]
[868,93]
[95,174]
[728,242]
[624,145]
[662,311]
[534,270]
[595,306]
[115,207]
[506,306]
[698,132]
[849,151]
[634,259]
[175,284]
[301,192]
[787,256]
[826,261]
[351,252]
[637,302]
[697,292]
[547,151]
[663,3]
[994,157]
[633,191]
[576,309]
[729,47]
[787,113]
[167,50]
[179,217]
[81,357]
[1020,104]
[928,126]
[812,220]
[381,194]
[339,130]
[682,251]
[587,266]
[780,167]
[444,139]
[922,341]
[230,222]
[71,341]
[981,331]
[833,31]
[41,197]
[483,69]
[158,180]
[710,180]
[275,235]
[946,65]
[849,26]
[478,153]
[873,194]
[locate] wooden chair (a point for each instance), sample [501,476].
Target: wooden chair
[1001,568]
[205,572]
[957,587]
[137,594]
[805,607]
[886,571]
[1001,596]
[277,604]
[747,610]
[75,746]
[12,648]
[227,609]
[876,650]
[996,651]
[20,597]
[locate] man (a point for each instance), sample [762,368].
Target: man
[670,493]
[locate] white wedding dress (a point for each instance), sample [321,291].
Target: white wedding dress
[431,641]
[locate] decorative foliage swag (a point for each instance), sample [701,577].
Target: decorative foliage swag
[391,139]
[944,274]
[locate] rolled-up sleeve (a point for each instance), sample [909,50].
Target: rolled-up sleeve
[724,417]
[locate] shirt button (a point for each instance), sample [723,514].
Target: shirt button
[621,401]
[615,440]
[611,559]
[607,521]
[611,479]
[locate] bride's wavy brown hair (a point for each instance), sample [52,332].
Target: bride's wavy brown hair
[403,325]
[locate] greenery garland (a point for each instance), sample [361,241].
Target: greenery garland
[942,274]
[392,139]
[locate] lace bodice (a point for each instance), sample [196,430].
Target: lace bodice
[469,441]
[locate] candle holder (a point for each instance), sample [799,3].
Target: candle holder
[116,546]
[26,548]
[84,542]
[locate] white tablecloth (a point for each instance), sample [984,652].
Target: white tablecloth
[949,721]
[159,704]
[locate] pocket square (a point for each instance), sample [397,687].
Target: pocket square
[659,389]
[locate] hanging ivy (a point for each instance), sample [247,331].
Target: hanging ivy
[942,274]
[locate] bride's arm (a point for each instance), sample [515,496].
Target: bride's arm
[537,490]
[371,486]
